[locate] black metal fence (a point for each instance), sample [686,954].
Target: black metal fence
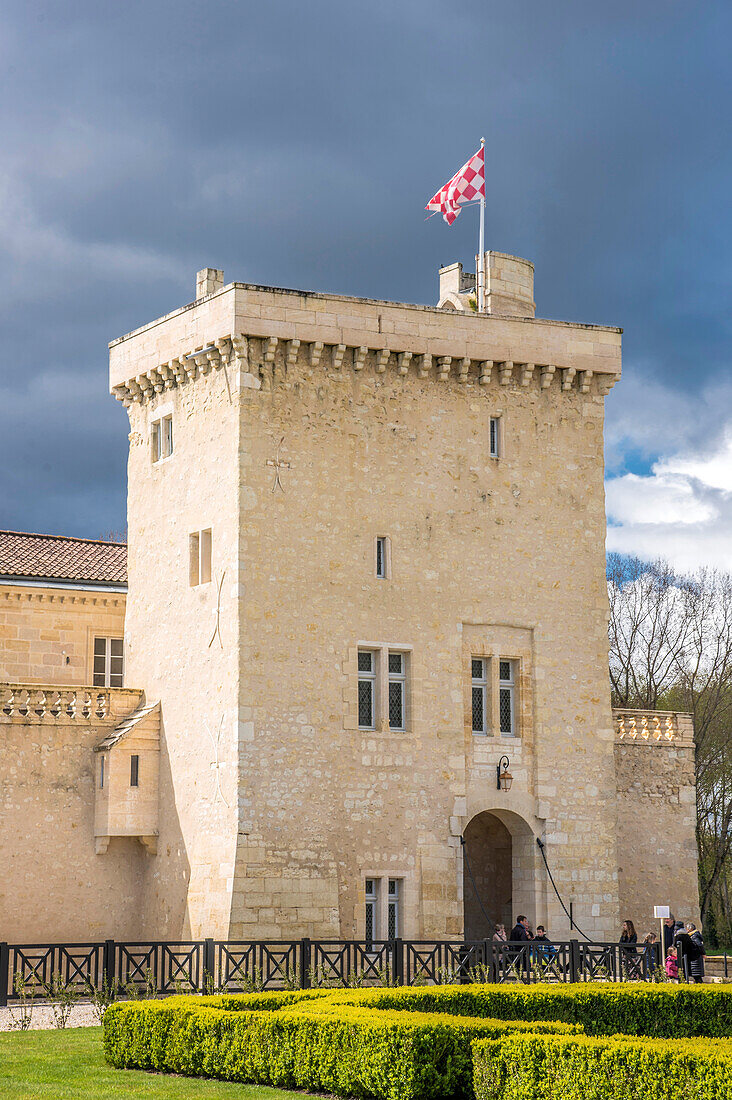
[205,966]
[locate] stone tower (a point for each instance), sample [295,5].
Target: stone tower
[366,562]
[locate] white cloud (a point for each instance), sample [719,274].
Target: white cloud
[682,509]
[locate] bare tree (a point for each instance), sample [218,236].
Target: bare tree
[671,648]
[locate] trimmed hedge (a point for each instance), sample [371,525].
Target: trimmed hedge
[584,1068]
[314,1040]
[663,1011]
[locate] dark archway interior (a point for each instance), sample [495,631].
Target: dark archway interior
[488,848]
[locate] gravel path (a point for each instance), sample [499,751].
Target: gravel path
[82,1015]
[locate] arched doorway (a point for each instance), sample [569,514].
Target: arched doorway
[487,852]
[499,850]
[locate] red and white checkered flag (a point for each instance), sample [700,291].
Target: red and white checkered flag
[465,186]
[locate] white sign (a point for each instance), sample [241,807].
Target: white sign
[661,911]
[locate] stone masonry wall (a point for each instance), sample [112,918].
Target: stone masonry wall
[657,854]
[47,634]
[54,887]
[181,642]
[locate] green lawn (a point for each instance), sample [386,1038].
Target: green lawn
[69,1065]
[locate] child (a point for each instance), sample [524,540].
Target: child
[672,965]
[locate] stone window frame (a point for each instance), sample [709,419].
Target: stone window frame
[200,557]
[494,643]
[405,903]
[162,438]
[381,650]
[108,656]
[382,557]
[495,438]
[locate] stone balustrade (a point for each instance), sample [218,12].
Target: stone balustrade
[40,702]
[665,726]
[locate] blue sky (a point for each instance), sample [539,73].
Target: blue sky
[296,144]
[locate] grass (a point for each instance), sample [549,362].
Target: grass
[69,1065]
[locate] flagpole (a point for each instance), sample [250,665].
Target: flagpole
[480,273]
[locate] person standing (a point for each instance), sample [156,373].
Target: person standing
[628,949]
[672,965]
[669,926]
[520,931]
[649,952]
[696,953]
[499,935]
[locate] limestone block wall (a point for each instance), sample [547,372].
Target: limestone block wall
[181,642]
[54,887]
[47,634]
[657,852]
[509,551]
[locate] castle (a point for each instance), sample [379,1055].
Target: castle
[362,665]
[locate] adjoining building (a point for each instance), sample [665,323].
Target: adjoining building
[366,627]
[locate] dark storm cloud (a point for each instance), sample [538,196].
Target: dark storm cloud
[296,144]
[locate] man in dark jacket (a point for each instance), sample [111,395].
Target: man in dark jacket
[669,927]
[520,930]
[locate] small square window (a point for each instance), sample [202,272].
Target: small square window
[134,771]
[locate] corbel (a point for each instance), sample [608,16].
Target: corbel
[506,372]
[269,349]
[605,383]
[404,358]
[293,347]
[443,367]
[425,365]
[223,346]
[240,351]
[337,361]
[359,357]
[316,351]
[463,368]
[568,374]
[121,393]
[585,380]
[146,386]
[382,358]
[547,373]
[527,373]
[485,368]
[158,380]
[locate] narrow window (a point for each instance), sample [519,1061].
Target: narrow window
[155,441]
[206,556]
[495,437]
[109,663]
[392,909]
[372,910]
[397,690]
[101,771]
[167,426]
[381,558]
[134,771]
[366,688]
[507,697]
[194,553]
[480,694]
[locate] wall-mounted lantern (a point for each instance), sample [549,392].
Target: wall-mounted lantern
[504,779]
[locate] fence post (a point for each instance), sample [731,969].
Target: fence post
[4,973]
[108,968]
[574,960]
[397,956]
[305,956]
[209,966]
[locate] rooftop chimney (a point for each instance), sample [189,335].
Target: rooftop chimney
[208,280]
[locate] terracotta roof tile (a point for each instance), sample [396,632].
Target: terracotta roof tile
[58,558]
